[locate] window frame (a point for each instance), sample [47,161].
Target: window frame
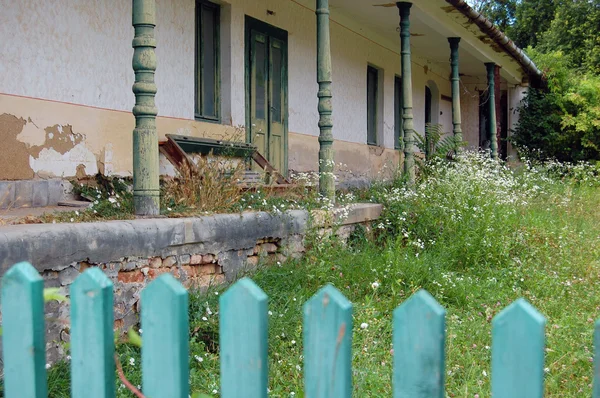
[199,77]
[372,125]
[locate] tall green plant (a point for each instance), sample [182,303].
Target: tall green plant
[563,121]
[435,143]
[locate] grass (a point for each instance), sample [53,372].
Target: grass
[477,236]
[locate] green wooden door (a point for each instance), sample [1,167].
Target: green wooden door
[266,91]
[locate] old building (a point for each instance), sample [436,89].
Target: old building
[246,70]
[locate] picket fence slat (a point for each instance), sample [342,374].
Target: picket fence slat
[596,388]
[518,352]
[24,350]
[92,337]
[419,343]
[418,340]
[327,345]
[243,333]
[165,339]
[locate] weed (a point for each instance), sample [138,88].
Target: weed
[473,233]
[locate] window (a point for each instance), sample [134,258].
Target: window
[398,111]
[372,96]
[207,104]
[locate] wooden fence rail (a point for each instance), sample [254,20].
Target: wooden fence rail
[418,341]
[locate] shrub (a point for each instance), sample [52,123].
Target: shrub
[561,122]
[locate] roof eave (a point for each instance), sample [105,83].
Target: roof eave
[487,27]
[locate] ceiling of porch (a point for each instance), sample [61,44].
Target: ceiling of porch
[432,22]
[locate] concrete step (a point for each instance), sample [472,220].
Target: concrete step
[32,193]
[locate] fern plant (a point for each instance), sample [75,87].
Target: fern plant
[436,143]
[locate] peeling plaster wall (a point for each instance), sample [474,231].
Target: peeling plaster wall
[87,61]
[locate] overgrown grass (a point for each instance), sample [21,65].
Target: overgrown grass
[474,234]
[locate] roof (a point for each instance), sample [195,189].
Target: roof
[488,28]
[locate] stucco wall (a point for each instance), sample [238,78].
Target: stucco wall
[78,52]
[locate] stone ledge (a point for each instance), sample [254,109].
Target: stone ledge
[31,193]
[357,213]
[198,251]
[52,246]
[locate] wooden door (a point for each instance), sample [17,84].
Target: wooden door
[266,91]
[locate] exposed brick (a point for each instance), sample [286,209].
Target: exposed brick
[155,262]
[208,259]
[204,281]
[155,273]
[252,261]
[196,259]
[185,259]
[169,262]
[118,324]
[197,270]
[189,270]
[268,247]
[84,265]
[135,276]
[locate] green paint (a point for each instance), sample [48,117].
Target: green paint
[165,350]
[266,91]
[208,74]
[327,345]
[456,122]
[490,66]
[146,190]
[419,336]
[24,351]
[243,338]
[92,338]
[398,129]
[407,103]
[518,352]
[325,107]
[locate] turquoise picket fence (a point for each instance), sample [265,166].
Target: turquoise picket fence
[418,341]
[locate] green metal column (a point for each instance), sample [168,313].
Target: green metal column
[407,115]
[326,163]
[146,190]
[457,129]
[490,66]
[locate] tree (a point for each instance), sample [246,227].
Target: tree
[532,19]
[500,12]
[574,31]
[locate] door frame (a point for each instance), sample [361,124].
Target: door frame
[270,30]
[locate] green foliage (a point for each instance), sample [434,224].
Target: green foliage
[574,31]
[562,122]
[532,20]
[53,293]
[436,143]
[134,338]
[500,12]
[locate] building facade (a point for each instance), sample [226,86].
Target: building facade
[243,70]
